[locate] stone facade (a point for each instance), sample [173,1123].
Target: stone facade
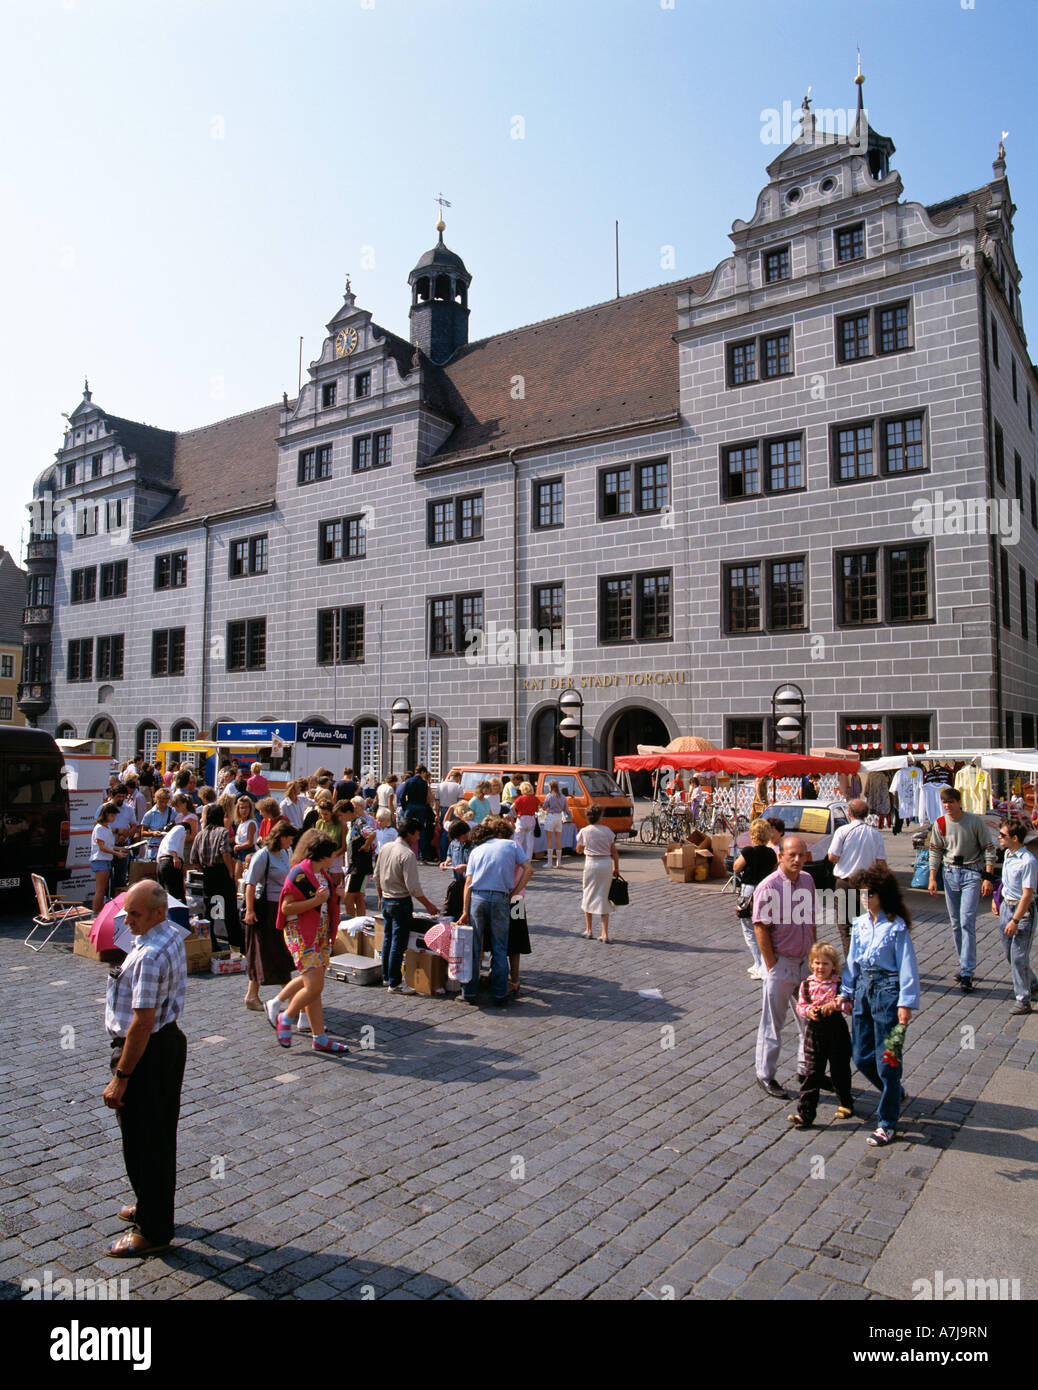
[480,423]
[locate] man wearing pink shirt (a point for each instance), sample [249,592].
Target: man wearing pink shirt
[784,925]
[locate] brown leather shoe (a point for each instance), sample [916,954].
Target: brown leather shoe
[128,1214]
[133,1245]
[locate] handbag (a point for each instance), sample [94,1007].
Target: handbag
[619,894]
[537,832]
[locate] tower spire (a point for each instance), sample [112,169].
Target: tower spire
[441,226]
[859,82]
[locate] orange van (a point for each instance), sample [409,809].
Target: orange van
[581,786]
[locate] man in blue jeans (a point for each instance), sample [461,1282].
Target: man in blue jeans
[397,882]
[961,843]
[488,891]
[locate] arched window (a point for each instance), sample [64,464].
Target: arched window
[105,729]
[65,731]
[443,288]
[421,289]
[147,739]
[183,731]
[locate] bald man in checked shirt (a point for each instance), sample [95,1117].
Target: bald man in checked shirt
[145,999]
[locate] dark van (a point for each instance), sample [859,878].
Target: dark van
[34,810]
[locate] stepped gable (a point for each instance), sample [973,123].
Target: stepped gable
[603,367]
[223,466]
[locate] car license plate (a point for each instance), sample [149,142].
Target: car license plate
[9,882]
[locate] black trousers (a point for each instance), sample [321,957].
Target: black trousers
[827,1043]
[171,878]
[148,1120]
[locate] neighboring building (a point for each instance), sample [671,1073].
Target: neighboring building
[12,613]
[705,490]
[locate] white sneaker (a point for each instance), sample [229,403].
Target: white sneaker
[756,973]
[272,1008]
[401,989]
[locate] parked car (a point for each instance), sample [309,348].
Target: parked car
[816,822]
[582,787]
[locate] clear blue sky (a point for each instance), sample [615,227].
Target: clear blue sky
[188,183]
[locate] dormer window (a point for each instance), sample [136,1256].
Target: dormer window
[362,386]
[850,243]
[776,265]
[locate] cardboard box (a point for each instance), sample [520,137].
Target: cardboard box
[199,953]
[363,944]
[719,846]
[422,923]
[225,964]
[82,945]
[142,868]
[679,863]
[425,973]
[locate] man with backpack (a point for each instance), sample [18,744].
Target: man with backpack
[962,840]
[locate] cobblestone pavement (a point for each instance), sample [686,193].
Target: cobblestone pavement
[586,1142]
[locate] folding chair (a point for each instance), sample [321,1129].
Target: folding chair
[54,912]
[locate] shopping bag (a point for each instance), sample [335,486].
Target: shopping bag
[438,939]
[459,959]
[921,872]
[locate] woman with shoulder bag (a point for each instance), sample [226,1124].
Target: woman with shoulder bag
[753,866]
[597,844]
[267,960]
[211,851]
[555,806]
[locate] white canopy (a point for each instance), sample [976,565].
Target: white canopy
[1008,759]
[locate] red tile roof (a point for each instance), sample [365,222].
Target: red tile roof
[598,368]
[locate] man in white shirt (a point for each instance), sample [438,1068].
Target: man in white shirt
[854,848]
[171,861]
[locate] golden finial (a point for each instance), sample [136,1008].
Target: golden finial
[441,225]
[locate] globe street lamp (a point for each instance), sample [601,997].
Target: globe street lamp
[401,712]
[571,719]
[787,714]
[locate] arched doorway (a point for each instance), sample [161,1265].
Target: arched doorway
[631,726]
[104,728]
[367,746]
[147,740]
[547,745]
[433,756]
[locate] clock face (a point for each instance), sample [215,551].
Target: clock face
[345,342]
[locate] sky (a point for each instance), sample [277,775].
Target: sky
[186,185]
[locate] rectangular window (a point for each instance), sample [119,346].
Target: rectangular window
[455,519]
[1013,364]
[86,520]
[742,363]
[342,539]
[893,329]
[994,340]
[857,588]
[909,733]
[1003,561]
[1010,731]
[861,735]
[1023,604]
[328,393]
[70,474]
[547,504]
[850,243]
[785,472]
[548,611]
[745,733]
[171,570]
[383,448]
[777,358]
[6,708]
[315,464]
[1027,731]
[654,609]
[113,579]
[1034,505]
[7,668]
[1000,454]
[908,584]
[37,662]
[1030,418]
[786,595]
[869,332]
[616,609]
[83,585]
[854,453]
[362,386]
[441,523]
[248,556]
[470,517]
[340,636]
[110,658]
[247,645]
[776,265]
[453,623]
[653,486]
[362,453]
[114,515]
[903,445]
[615,492]
[742,471]
[167,652]
[742,605]
[80,659]
[1018,475]
[95,465]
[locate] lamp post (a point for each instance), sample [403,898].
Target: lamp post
[787,713]
[401,712]
[571,719]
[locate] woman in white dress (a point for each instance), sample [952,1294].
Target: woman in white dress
[597,844]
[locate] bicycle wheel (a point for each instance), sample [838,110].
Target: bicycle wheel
[648,831]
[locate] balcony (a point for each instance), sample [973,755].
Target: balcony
[42,548]
[40,615]
[34,698]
